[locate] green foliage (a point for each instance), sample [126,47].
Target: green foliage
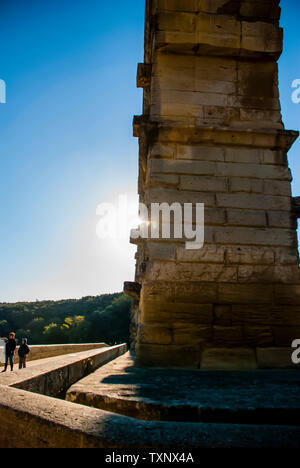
[90,319]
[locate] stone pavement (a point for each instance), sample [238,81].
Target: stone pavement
[245,397]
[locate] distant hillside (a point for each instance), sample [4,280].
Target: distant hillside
[90,319]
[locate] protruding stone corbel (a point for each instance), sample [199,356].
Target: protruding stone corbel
[133,290]
[143,79]
[137,120]
[296,206]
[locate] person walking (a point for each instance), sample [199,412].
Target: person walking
[10,348]
[23,352]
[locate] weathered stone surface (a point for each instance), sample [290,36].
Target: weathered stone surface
[168,312]
[154,334]
[250,255]
[212,133]
[228,359]
[132,289]
[47,351]
[205,396]
[53,376]
[274,358]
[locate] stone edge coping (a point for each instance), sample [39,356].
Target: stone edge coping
[101,345]
[60,424]
[54,350]
[19,377]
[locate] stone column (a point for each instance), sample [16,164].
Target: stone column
[211,132]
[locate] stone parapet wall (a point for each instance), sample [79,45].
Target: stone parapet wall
[47,351]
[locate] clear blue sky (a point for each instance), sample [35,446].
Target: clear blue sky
[66,139]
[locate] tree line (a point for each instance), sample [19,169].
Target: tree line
[104,318]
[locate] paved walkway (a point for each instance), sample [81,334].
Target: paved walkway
[263,397]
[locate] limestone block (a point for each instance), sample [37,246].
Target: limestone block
[204,183]
[163,98]
[201,293]
[214,216]
[258,274]
[261,37]
[184,333]
[211,68]
[176,21]
[220,115]
[175,38]
[171,355]
[244,155]
[253,170]
[182,167]
[258,79]
[162,271]
[274,157]
[278,188]
[253,201]
[238,184]
[287,255]
[284,335]
[178,5]
[162,150]
[215,86]
[228,336]
[170,312]
[246,218]
[260,10]
[199,152]
[175,72]
[287,294]
[158,292]
[154,334]
[160,195]
[251,315]
[285,316]
[281,219]
[208,254]
[163,180]
[218,31]
[167,108]
[262,118]
[223,315]
[258,236]
[228,359]
[178,72]
[246,293]
[182,293]
[254,102]
[161,250]
[274,358]
[250,255]
[258,336]
[212,6]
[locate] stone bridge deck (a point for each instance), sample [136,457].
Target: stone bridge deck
[240,397]
[169,395]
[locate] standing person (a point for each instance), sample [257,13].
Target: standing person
[10,351]
[23,351]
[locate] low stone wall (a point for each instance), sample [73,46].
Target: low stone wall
[54,376]
[60,424]
[47,351]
